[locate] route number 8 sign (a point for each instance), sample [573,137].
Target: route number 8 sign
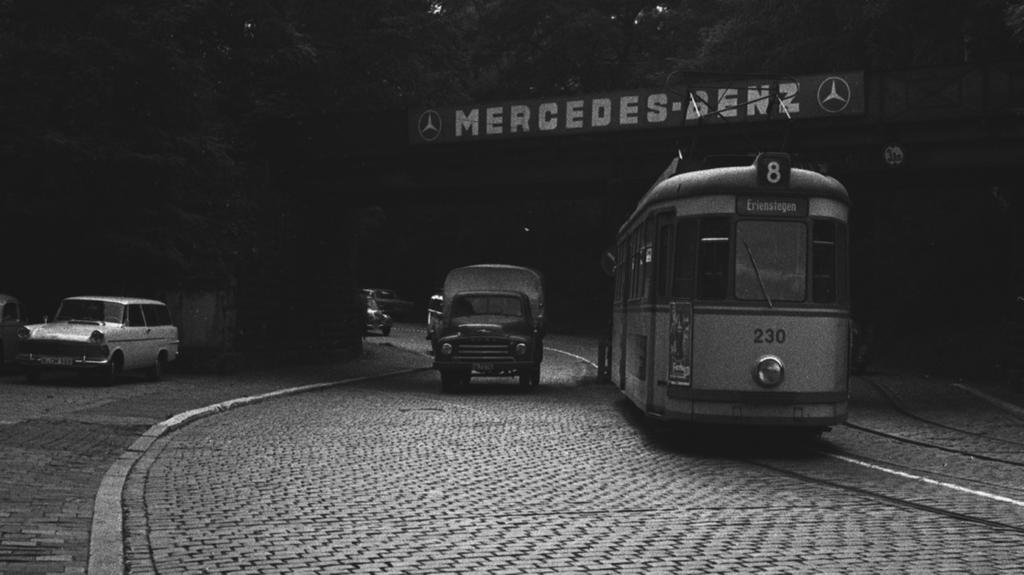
[773,170]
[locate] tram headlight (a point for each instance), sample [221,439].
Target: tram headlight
[446,349]
[769,371]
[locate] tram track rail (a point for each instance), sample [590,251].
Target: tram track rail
[832,451]
[930,445]
[887,499]
[973,453]
[898,405]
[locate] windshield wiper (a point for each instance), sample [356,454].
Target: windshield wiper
[757,272]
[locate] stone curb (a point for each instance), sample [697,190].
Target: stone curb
[106,540]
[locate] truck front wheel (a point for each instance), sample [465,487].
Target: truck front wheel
[529,377]
[452,381]
[524,378]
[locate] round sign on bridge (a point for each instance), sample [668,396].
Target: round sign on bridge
[893,155]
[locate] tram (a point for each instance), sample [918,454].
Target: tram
[731,300]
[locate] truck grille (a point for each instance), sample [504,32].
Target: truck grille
[483,350]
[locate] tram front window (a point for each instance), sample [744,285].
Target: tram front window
[713,259]
[771,261]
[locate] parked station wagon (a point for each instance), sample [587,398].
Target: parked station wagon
[101,335]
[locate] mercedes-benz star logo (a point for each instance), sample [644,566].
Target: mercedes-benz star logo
[833,94]
[429,125]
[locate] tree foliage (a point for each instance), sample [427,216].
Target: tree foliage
[156,142]
[527,47]
[1015,19]
[189,137]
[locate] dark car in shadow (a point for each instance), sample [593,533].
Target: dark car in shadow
[390,302]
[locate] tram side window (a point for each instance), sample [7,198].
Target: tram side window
[842,269]
[635,266]
[646,249]
[713,259]
[824,278]
[684,279]
[627,268]
[661,256]
[617,290]
[829,262]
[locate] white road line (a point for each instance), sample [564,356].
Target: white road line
[952,486]
[573,355]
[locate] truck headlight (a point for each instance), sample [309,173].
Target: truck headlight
[520,349]
[446,349]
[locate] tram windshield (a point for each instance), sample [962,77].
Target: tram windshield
[771,261]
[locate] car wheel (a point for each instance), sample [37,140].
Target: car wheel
[110,373]
[157,371]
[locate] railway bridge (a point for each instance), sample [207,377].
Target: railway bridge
[931,157]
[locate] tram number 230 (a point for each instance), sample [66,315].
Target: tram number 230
[769,335]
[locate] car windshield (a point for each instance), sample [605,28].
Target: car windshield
[90,310]
[505,305]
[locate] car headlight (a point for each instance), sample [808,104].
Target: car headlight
[24,333]
[769,371]
[96,337]
[520,349]
[446,349]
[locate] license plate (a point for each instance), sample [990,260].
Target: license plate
[55,361]
[483,367]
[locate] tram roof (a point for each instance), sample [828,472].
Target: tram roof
[734,180]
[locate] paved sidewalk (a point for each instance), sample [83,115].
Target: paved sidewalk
[54,461]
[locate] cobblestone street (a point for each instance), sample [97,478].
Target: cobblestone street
[58,439]
[389,475]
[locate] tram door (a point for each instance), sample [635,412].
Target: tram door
[659,290]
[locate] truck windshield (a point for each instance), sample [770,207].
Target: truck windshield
[505,305]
